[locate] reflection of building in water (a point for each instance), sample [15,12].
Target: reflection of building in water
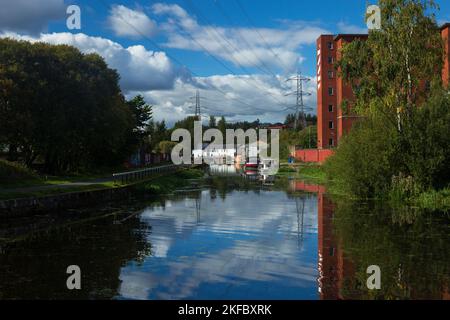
[267,180]
[337,273]
[333,268]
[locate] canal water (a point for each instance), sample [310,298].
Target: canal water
[229,239]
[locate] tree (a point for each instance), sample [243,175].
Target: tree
[305,139]
[388,70]
[397,148]
[166,146]
[142,116]
[222,125]
[212,122]
[62,106]
[311,120]
[188,124]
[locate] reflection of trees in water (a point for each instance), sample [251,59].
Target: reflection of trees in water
[36,266]
[224,185]
[411,247]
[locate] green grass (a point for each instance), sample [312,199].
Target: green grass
[312,172]
[16,181]
[160,184]
[303,171]
[433,200]
[6,195]
[13,174]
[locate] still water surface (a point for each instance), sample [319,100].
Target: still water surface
[230,241]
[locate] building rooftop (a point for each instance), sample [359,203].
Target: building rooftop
[445,25]
[349,35]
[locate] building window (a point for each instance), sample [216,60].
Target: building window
[330,74]
[331,251]
[331,125]
[330,108]
[330,45]
[330,60]
[330,91]
[331,142]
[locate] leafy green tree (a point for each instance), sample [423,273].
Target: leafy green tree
[399,145]
[142,114]
[62,107]
[222,126]
[311,120]
[166,146]
[188,124]
[387,71]
[305,139]
[212,122]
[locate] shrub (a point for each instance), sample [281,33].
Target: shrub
[12,172]
[375,159]
[366,159]
[427,142]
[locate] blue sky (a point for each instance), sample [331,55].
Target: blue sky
[334,16]
[238,53]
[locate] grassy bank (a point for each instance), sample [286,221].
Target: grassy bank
[14,175]
[54,190]
[19,182]
[312,172]
[433,200]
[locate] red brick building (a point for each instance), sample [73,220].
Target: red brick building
[332,91]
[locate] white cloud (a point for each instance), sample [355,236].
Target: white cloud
[139,68]
[350,28]
[126,22]
[169,87]
[29,16]
[262,97]
[247,47]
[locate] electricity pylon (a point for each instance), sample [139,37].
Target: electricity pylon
[197,107]
[299,93]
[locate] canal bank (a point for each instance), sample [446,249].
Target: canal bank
[434,200]
[153,185]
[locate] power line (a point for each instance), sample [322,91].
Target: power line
[247,16]
[195,74]
[199,106]
[229,69]
[224,39]
[173,57]
[243,39]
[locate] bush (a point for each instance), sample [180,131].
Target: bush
[365,160]
[404,187]
[375,159]
[306,138]
[11,173]
[427,142]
